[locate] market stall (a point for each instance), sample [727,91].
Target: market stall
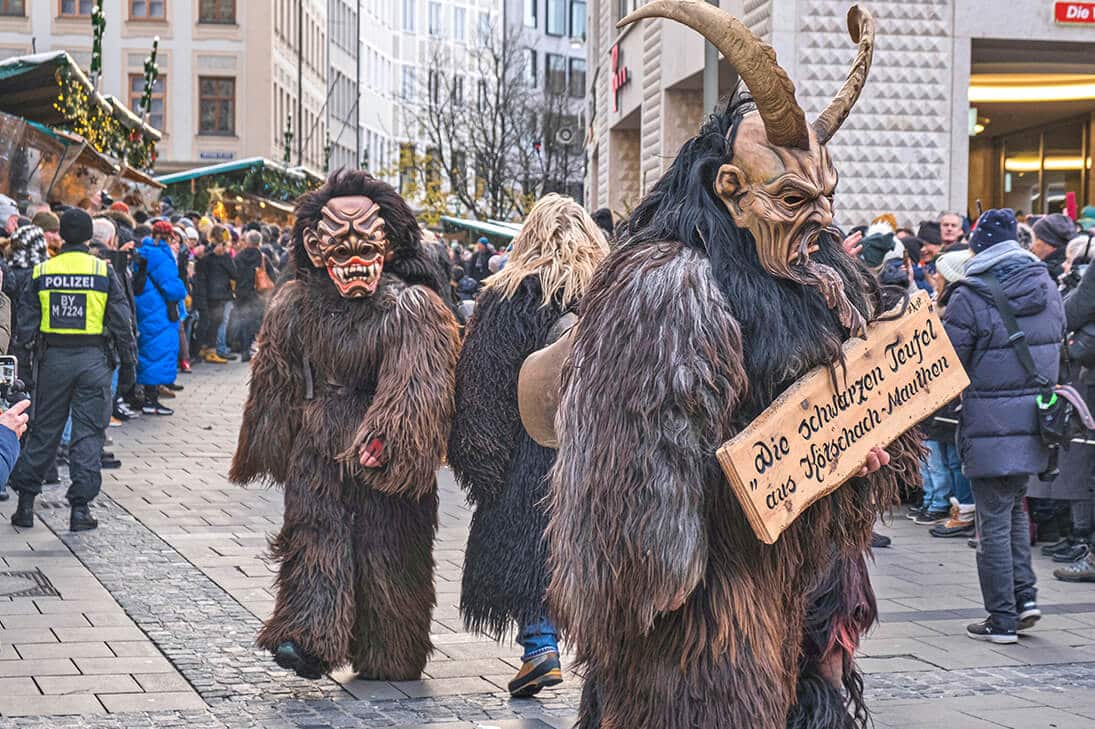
[242,190]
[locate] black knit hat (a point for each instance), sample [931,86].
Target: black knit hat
[929,233]
[76,226]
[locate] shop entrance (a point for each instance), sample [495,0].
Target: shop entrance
[1031,132]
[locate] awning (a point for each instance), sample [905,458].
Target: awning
[226,167]
[498,230]
[88,157]
[275,204]
[29,86]
[128,173]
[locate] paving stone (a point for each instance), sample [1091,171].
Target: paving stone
[160,682]
[20,686]
[38,667]
[63,650]
[116,703]
[102,684]
[144,664]
[56,706]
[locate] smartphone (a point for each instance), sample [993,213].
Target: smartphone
[9,373]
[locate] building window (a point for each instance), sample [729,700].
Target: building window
[434,82]
[458,90]
[531,71]
[407,89]
[156,108]
[217,11]
[13,7]
[481,96]
[484,29]
[578,19]
[146,10]
[555,77]
[556,17]
[435,18]
[75,8]
[408,16]
[458,24]
[530,13]
[578,77]
[217,105]
[406,169]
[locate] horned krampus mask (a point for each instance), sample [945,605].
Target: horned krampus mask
[780,181]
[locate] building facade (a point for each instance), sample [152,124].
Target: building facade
[230,71]
[964,102]
[553,33]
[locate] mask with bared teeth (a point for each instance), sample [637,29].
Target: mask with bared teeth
[351,243]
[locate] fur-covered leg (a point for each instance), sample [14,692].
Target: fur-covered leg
[314,606]
[589,712]
[829,694]
[391,640]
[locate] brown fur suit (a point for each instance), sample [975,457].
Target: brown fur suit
[681,617]
[355,550]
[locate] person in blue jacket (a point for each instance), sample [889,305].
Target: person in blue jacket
[158,312]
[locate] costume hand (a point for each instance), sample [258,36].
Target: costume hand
[876,459]
[372,453]
[15,418]
[852,245]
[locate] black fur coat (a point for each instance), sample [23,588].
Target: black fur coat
[499,466]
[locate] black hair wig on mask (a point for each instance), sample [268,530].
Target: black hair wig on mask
[787,328]
[410,261]
[404,235]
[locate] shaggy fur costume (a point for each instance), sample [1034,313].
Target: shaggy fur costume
[500,467]
[679,615]
[356,568]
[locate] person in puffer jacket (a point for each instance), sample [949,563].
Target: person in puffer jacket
[998,435]
[157,333]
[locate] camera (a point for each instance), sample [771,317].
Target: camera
[12,389]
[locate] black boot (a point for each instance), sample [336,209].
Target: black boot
[292,656]
[81,519]
[24,513]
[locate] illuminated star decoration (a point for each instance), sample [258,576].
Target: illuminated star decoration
[216,193]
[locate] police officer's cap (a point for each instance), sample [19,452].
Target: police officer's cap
[76,226]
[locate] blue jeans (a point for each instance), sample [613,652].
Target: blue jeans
[537,638]
[222,332]
[942,472]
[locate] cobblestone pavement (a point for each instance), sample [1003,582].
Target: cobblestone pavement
[177,570]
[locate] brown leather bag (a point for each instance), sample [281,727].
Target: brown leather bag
[263,282]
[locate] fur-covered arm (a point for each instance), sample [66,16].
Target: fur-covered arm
[487,424]
[412,409]
[655,375]
[272,414]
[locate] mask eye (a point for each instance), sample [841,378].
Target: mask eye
[793,200]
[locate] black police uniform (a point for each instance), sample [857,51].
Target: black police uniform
[76,318]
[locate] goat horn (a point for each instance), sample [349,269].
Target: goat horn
[754,60]
[861,29]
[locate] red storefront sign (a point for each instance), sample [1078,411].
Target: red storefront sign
[621,75]
[1071,12]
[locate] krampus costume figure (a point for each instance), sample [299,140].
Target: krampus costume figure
[500,467]
[729,284]
[350,405]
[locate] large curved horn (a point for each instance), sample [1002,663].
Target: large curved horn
[861,28]
[754,60]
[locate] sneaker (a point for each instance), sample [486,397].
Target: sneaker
[184,367]
[880,541]
[536,673]
[1082,570]
[156,409]
[914,512]
[973,543]
[214,358]
[114,422]
[957,531]
[1029,614]
[174,387]
[985,630]
[228,356]
[1059,546]
[123,412]
[109,464]
[1078,551]
[931,517]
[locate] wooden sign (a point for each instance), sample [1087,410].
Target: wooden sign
[813,438]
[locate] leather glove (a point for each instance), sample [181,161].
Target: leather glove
[127,378]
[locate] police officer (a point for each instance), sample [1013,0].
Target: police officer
[75,316]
